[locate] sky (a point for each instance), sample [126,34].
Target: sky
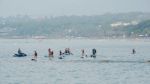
[71,7]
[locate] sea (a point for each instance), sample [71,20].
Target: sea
[114,62]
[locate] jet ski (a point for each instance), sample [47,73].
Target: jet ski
[20,55]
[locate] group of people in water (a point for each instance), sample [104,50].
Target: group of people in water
[62,54]
[67,51]
[85,55]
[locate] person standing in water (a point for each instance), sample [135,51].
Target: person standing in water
[49,53]
[133,51]
[82,53]
[60,55]
[19,51]
[35,56]
[52,54]
[93,53]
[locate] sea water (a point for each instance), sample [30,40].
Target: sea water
[114,64]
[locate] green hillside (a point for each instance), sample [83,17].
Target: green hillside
[98,26]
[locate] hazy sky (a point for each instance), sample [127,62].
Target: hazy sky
[70,7]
